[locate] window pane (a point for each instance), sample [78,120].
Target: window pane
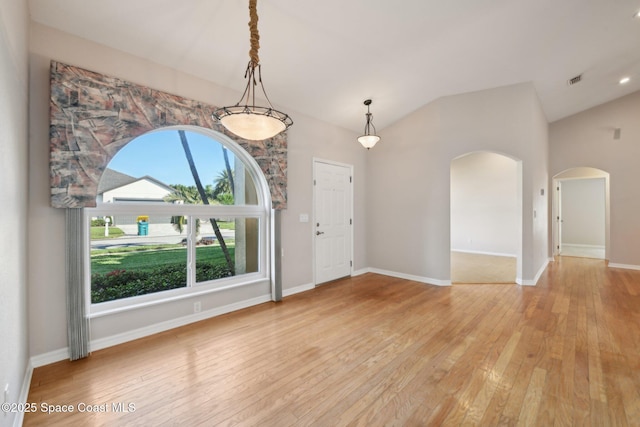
[240,236]
[154,168]
[140,255]
[149,191]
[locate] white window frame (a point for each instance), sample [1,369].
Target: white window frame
[262,211]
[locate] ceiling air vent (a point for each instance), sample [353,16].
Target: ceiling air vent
[574,80]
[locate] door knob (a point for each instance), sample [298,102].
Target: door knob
[319,233]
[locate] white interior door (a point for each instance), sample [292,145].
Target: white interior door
[559,218]
[582,212]
[332,221]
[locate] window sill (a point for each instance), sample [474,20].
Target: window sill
[114,307]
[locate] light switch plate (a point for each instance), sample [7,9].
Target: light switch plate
[304,217]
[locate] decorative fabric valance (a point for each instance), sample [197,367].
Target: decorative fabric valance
[93,116]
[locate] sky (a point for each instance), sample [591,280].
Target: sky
[161,156]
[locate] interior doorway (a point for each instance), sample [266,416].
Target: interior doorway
[581,213]
[332,220]
[486,218]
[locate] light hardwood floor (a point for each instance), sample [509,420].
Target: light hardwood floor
[480,269]
[380,351]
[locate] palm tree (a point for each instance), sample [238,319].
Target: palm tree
[205,200]
[225,199]
[182,193]
[224,191]
[186,195]
[208,189]
[179,222]
[223,184]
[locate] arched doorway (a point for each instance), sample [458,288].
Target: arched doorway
[486,218]
[581,213]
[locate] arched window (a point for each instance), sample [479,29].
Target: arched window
[179,211]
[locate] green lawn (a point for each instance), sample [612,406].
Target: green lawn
[98,233]
[140,248]
[149,260]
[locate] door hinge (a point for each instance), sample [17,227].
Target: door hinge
[351,263]
[314,182]
[350,221]
[350,179]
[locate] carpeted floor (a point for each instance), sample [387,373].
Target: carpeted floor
[477,268]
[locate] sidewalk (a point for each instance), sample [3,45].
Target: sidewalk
[159,234]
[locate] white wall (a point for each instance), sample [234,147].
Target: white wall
[307,138]
[13,193]
[484,204]
[409,179]
[586,139]
[583,212]
[142,189]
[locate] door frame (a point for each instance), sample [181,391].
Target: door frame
[580,173]
[519,213]
[557,217]
[315,161]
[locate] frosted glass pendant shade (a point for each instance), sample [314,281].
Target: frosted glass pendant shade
[368,141]
[253,123]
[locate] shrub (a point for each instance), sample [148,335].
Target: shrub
[206,272]
[100,222]
[119,284]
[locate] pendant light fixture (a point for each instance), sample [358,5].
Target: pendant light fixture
[245,119]
[368,140]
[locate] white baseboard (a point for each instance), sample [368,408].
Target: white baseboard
[101,343]
[580,245]
[50,357]
[625,266]
[360,272]
[24,394]
[297,289]
[427,280]
[465,251]
[537,277]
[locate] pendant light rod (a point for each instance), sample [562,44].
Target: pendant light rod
[369,124]
[368,140]
[253,31]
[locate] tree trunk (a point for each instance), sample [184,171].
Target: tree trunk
[205,200]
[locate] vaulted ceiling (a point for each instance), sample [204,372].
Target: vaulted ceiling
[324,58]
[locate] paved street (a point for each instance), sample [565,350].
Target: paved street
[158,234]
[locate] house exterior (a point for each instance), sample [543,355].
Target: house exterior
[418,148]
[117,187]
